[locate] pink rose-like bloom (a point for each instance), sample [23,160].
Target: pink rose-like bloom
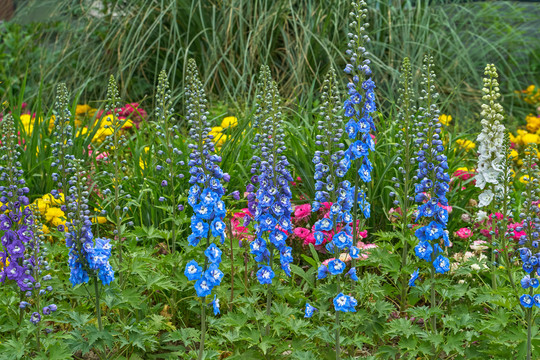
[309,239]
[302,211]
[325,262]
[302,233]
[464,233]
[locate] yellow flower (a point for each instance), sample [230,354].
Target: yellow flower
[102,134]
[28,123]
[229,121]
[513,155]
[529,138]
[445,119]
[100,220]
[465,144]
[58,221]
[524,179]
[215,131]
[45,229]
[53,213]
[463,169]
[220,140]
[82,109]
[2,263]
[533,123]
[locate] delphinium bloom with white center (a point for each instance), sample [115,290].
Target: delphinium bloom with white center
[271,205]
[204,196]
[169,159]
[529,242]
[490,140]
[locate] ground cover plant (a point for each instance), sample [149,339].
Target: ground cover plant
[358,224]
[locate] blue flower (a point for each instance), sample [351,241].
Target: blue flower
[414,277]
[213,254]
[526,282]
[336,266]
[215,305]
[322,272]
[265,275]
[526,300]
[213,275]
[193,271]
[202,287]
[536,299]
[344,303]
[199,227]
[432,231]
[309,311]
[441,264]
[354,252]
[423,250]
[319,237]
[352,274]
[342,240]
[218,227]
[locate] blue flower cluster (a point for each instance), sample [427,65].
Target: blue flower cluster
[205,192]
[432,184]
[88,257]
[528,252]
[360,105]
[270,203]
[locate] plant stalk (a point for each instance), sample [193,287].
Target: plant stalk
[98,308]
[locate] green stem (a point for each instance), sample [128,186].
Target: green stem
[404,287]
[529,332]
[203,327]
[269,293]
[338,325]
[433,299]
[98,308]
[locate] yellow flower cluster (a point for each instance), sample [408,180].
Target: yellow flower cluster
[49,208]
[445,119]
[29,123]
[217,131]
[465,144]
[531,95]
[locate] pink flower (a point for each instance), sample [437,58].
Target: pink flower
[325,262]
[309,239]
[464,233]
[363,234]
[302,233]
[102,155]
[302,211]
[447,208]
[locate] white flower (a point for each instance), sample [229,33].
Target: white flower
[485,198]
[475,267]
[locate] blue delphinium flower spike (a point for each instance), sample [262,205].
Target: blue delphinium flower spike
[414,277]
[269,194]
[206,189]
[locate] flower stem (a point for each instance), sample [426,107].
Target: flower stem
[338,323]
[403,299]
[203,327]
[232,265]
[433,299]
[529,332]
[269,293]
[98,308]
